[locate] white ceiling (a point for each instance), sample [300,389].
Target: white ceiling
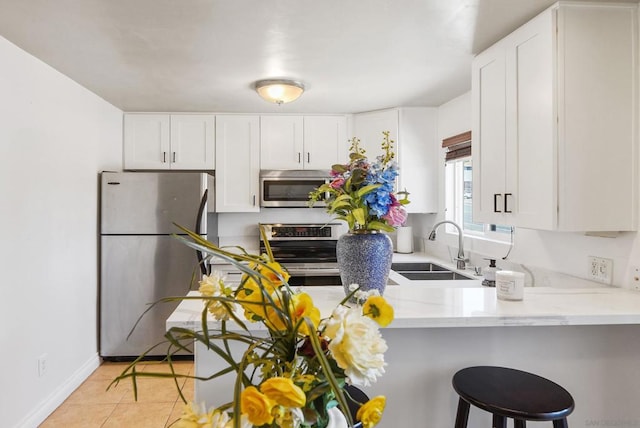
[204,55]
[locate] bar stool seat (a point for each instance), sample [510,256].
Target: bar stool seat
[510,393]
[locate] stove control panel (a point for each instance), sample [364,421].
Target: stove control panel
[301,231]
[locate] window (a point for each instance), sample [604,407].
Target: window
[459,202]
[458,179]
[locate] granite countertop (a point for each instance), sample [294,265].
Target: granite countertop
[426,307]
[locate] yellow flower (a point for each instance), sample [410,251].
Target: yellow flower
[370,412]
[283,391]
[256,406]
[303,307]
[274,277]
[377,308]
[276,318]
[254,300]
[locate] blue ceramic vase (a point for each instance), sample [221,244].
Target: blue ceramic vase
[364,258]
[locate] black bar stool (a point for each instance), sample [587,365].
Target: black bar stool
[510,393]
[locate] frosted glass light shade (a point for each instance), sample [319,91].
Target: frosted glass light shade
[279,91]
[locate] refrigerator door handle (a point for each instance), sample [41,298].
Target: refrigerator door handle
[203,203]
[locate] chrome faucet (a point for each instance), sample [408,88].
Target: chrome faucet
[461,259]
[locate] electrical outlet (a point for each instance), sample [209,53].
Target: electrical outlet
[601,269]
[634,277]
[42,365]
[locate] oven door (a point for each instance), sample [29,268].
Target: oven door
[314,276]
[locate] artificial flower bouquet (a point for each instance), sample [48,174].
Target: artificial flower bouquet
[361,192]
[295,376]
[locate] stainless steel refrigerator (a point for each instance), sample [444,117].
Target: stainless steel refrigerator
[140,260]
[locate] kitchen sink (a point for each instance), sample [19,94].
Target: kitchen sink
[418,267]
[433,275]
[426,271]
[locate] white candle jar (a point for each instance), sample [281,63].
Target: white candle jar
[509,285]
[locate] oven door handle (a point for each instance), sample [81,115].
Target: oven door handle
[314,272]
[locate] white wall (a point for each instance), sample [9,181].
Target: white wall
[540,251]
[55,137]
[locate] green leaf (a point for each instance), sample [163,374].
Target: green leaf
[367,189]
[379,225]
[359,215]
[327,370]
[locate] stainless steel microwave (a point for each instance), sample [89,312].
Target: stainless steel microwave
[290,188]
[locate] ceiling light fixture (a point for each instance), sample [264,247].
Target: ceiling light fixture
[279,91]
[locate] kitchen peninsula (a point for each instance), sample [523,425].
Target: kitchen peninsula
[586,339]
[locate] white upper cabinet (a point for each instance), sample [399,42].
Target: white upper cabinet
[368,128]
[192,141]
[554,122]
[169,141]
[300,142]
[414,131]
[237,163]
[146,141]
[323,137]
[281,142]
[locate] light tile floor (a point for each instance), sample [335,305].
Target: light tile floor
[92,405]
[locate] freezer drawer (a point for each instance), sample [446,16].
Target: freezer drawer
[136,271]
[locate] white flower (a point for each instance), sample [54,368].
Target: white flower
[356,345]
[336,418]
[288,417]
[213,286]
[361,296]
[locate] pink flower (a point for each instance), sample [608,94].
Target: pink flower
[337,183]
[334,173]
[396,215]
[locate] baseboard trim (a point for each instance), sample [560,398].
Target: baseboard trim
[45,408]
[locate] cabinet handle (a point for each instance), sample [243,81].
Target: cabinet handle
[174,157]
[495,203]
[506,200]
[254,200]
[164,157]
[299,158]
[308,157]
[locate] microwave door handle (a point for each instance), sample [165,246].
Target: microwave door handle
[203,203]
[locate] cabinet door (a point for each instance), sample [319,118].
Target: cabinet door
[368,127]
[323,136]
[146,141]
[237,163]
[192,141]
[488,135]
[531,164]
[598,117]
[281,142]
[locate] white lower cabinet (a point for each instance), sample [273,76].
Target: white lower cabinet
[554,122]
[237,163]
[414,130]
